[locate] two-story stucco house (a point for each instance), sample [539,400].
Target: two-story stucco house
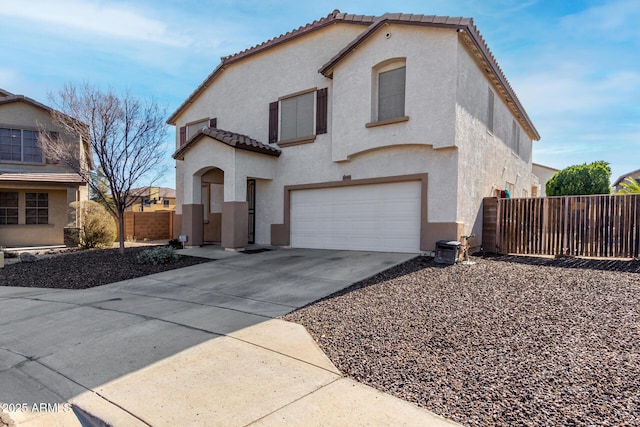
[352,132]
[34,192]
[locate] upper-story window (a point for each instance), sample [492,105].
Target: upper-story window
[20,145]
[520,146]
[192,128]
[298,118]
[490,109]
[388,92]
[391,87]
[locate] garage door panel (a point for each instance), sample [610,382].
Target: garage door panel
[379,217]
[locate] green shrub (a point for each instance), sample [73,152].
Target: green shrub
[159,255]
[97,226]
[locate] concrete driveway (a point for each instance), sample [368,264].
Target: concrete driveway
[60,346]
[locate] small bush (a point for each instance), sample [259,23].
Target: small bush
[157,256]
[98,228]
[175,244]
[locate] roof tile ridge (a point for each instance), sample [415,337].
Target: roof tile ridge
[471,25]
[336,15]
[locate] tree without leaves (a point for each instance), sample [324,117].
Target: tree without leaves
[125,137]
[580,180]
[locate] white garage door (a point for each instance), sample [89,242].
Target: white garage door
[378,217]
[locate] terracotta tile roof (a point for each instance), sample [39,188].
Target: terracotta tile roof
[333,17]
[232,139]
[469,33]
[58,178]
[472,38]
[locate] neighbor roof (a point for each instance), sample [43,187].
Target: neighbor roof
[235,140]
[633,174]
[9,97]
[469,32]
[55,178]
[163,192]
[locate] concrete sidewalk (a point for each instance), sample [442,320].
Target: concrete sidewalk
[195,346]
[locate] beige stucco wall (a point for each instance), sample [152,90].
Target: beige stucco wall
[429,98]
[445,135]
[240,96]
[486,161]
[544,174]
[23,115]
[36,235]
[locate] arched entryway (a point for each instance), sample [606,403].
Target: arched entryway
[212,193]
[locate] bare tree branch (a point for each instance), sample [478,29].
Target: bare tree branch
[122,142]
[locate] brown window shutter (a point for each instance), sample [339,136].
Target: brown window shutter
[321,111]
[183,135]
[213,123]
[273,122]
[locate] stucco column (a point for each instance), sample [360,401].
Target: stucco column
[235,225]
[192,223]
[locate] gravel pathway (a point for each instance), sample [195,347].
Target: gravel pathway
[494,343]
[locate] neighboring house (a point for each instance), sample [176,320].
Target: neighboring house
[34,193]
[151,199]
[617,185]
[544,174]
[352,132]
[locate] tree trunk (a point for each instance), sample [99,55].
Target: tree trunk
[121,233]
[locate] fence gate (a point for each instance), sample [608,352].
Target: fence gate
[590,226]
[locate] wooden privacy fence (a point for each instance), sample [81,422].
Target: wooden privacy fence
[590,226]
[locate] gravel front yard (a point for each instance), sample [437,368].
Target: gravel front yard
[85,269]
[502,342]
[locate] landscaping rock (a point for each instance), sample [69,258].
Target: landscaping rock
[27,257]
[501,342]
[84,269]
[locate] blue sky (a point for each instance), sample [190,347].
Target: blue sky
[575,65]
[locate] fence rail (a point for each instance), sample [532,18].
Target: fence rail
[592,226]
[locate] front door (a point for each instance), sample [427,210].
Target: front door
[251,201]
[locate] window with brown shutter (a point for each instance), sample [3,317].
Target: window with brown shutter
[273,122]
[321,111]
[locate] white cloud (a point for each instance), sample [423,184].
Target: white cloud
[616,20]
[569,87]
[106,19]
